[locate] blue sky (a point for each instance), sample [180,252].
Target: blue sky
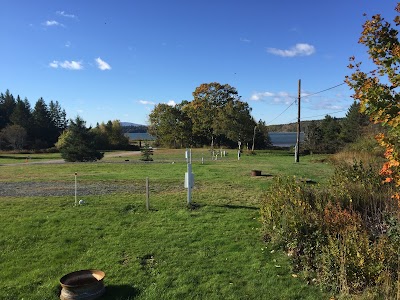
[107,60]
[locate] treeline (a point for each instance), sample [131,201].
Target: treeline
[332,134]
[134,129]
[46,126]
[216,116]
[22,127]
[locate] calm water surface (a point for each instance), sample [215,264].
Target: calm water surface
[282,139]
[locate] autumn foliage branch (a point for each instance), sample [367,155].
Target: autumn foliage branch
[378,91]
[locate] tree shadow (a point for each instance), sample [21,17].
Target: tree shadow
[230,206]
[20,157]
[116,292]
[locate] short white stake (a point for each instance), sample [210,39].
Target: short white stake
[76,199]
[147,194]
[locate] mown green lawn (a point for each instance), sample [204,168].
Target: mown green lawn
[214,251]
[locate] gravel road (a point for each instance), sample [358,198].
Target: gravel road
[43,189]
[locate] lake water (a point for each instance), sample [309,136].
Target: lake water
[285,139]
[281,139]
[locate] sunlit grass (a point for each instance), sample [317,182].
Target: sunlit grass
[214,251]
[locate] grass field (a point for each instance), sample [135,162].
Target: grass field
[214,251]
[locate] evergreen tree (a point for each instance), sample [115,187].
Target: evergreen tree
[22,114]
[331,130]
[58,117]
[262,140]
[353,123]
[7,104]
[147,152]
[78,143]
[313,138]
[44,131]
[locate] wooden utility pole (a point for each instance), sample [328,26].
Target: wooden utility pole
[297,148]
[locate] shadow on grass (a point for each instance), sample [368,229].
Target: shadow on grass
[230,206]
[114,292]
[19,157]
[22,157]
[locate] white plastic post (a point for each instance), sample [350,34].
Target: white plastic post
[189,183]
[76,199]
[147,194]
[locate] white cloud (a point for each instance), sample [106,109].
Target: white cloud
[102,65]
[281,97]
[328,104]
[260,96]
[64,14]
[54,64]
[245,40]
[70,65]
[145,102]
[68,44]
[171,103]
[297,50]
[51,23]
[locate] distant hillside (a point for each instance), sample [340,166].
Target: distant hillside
[292,127]
[124,124]
[134,129]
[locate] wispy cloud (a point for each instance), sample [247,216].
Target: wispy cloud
[69,65]
[297,50]
[276,98]
[64,14]
[146,102]
[327,104]
[68,44]
[244,40]
[53,23]
[260,95]
[102,65]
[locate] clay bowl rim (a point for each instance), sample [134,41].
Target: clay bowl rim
[98,274]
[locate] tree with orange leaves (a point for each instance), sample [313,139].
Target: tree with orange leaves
[378,90]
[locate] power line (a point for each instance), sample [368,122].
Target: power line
[332,113]
[309,95]
[331,88]
[282,112]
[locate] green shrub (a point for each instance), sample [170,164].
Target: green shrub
[290,215]
[344,237]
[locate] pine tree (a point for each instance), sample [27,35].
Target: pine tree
[7,104]
[58,117]
[147,152]
[22,114]
[353,123]
[78,143]
[43,128]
